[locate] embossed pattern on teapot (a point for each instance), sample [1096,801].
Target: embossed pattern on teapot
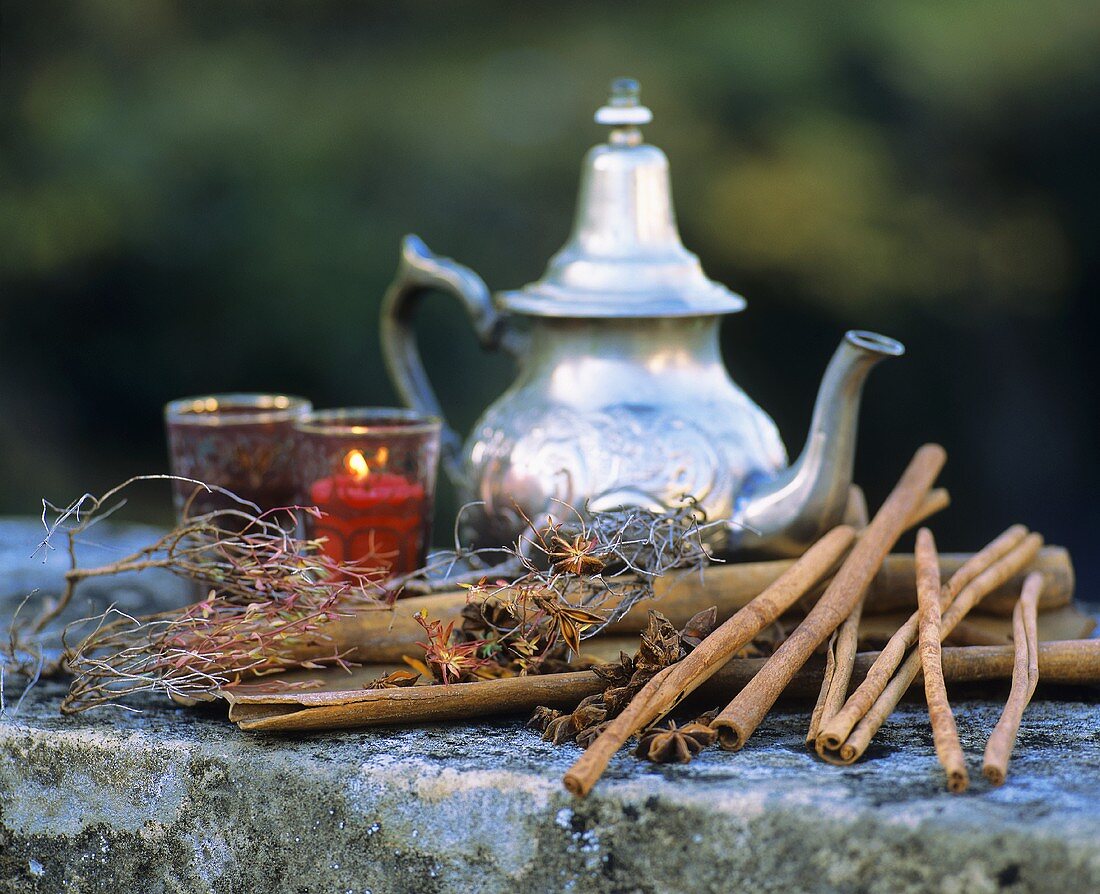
[650,419]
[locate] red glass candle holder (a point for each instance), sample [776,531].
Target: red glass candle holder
[372,474]
[244,443]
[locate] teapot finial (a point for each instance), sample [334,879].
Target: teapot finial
[624,257]
[624,112]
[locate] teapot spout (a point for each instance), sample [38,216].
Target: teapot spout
[784,514]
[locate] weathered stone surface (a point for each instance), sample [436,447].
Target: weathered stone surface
[177,800]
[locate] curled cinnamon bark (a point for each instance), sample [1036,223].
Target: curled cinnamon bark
[945,734]
[840,654]
[740,718]
[1025,677]
[834,732]
[853,747]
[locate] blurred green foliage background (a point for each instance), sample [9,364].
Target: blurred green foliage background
[209,196]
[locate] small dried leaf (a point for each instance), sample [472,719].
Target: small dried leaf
[396,680]
[417,665]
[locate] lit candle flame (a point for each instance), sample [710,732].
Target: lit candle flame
[356,463]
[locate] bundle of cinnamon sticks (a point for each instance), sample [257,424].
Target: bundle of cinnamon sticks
[841,728]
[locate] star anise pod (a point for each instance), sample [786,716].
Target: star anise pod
[700,626]
[589,715]
[590,734]
[675,744]
[659,646]
[577,556]
[560,729]
[542,718]
[616,673]
[566,621]
[618,698]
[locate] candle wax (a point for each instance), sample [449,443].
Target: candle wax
[375,521]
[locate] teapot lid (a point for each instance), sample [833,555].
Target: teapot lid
[624,257]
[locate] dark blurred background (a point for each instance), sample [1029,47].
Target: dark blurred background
[209,196]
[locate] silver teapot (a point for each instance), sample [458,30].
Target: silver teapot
[622,398]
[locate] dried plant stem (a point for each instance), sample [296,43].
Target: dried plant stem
[1025,677]
[852,747]
[742,715]
[833,732]
[671,685]
[945,734]
[1071,662]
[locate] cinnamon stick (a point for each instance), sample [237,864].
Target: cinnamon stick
[945,734]
[1025,677]
[742,715]
[667,688]
[853,747]
[833,732]
[384,636]
[840,653]
[1069,662]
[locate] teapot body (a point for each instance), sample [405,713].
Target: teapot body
[607,413]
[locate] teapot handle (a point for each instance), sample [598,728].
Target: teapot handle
[420,271]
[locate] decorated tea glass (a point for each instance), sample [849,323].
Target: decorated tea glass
[371,472]
[241,442]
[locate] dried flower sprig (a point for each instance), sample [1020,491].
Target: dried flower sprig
[269,596]
[448,659]
[578,577]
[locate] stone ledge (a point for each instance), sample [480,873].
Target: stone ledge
[176,800]
[179,801]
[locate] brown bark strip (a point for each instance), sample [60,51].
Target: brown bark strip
[945,734]
[856,514]
[742,715]
[384,636]
[823,693]
[847,644]
[856,743]
[1069,662]
[1025,677]
[667,688]
[833,733]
